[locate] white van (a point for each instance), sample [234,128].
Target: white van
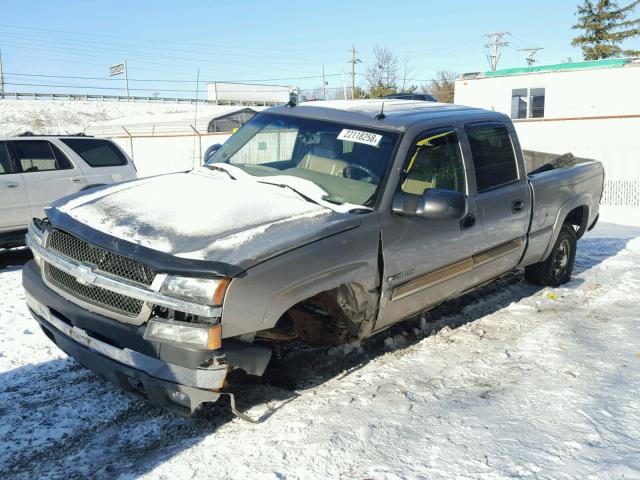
[36,170]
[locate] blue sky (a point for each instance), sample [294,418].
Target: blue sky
[251,40]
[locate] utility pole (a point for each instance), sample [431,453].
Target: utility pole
[531,52]
[324,85]
[126,77]
[344,88]
[1,77]
[354,60]
[494,46]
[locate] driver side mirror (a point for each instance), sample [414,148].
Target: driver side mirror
[433,204]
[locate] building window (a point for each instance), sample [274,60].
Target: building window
[527,103]
[536,100]
[519,103]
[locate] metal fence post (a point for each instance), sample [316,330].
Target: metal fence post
[130,143]
[199,146]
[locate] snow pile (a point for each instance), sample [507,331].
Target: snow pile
[69,117]
[514,381]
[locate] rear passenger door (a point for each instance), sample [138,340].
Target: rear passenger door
[48,174]
[503,198]
[14,208]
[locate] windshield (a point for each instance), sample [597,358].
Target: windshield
[346,162]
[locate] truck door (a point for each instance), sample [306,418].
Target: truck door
[14,208]
[48,174]
[426,261]
[503,200]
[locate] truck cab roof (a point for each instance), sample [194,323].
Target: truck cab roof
[399,115]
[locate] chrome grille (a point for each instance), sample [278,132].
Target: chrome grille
[103,260]
[98,296]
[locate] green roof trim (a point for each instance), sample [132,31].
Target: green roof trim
[606,63]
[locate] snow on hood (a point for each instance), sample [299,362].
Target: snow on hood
[206,216]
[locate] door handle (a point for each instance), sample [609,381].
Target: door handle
[76,179]
[12,185]
[468,222]
[517,205]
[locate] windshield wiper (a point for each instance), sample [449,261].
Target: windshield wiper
[213,166]
[295,190]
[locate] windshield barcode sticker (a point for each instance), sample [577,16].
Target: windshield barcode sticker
[358,136]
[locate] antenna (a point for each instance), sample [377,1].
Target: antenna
[531,52]
[494,48]
[381,115]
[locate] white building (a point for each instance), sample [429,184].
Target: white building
[591,109]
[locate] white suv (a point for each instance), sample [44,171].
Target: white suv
[36,170]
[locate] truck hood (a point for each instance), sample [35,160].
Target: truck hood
[206,216]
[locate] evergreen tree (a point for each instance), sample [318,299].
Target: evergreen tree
[604,26]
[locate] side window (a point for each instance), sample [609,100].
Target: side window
[435,162]
[493,158]
[97,153]
[5,160]
[40,156]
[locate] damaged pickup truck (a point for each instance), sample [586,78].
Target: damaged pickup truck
[324,223]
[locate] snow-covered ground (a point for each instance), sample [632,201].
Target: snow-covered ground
[69,117]
[510,381]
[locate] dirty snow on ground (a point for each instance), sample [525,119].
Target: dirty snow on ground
[511,381]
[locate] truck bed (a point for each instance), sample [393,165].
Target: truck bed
[563,185]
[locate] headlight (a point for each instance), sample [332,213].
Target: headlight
[35,231]
[199,336]
[209,291]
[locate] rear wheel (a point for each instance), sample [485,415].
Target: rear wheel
[556,269]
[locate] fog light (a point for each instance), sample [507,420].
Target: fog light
[184,334]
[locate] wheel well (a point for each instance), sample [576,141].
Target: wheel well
[331,317]
[578,217]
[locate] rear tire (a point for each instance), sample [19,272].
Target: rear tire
[556,269]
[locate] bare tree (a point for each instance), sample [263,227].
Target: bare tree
[406,70]
[442,86]
[382,76]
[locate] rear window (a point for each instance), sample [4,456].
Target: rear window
[97,153]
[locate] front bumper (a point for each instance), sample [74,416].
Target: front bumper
[184,384]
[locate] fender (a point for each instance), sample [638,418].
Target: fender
[583,200]
[350,258]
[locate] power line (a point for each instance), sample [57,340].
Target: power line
[74,77]
[154,41]
[105,52]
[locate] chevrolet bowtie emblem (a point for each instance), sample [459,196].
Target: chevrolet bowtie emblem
[85,275]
